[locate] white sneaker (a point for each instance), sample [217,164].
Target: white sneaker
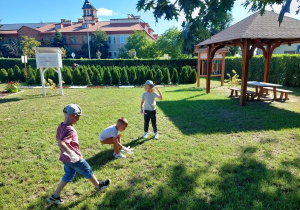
[145,135]
[120,155]
[156,135]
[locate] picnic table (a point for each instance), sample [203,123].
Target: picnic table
[261,86]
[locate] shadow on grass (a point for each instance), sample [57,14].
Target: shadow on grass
[8,100]
[226,116]
[242,184]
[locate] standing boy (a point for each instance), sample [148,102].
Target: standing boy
[70,154]
[148,98]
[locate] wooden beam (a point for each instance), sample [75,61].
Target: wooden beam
[198,71]
[269,51]
[223,69]
[246,58]
[208,69]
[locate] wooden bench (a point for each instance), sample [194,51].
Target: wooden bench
[281,91]
[249,93]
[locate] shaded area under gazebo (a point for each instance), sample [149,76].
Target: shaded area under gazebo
[255,31]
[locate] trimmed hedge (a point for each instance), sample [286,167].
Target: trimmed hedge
[284,70]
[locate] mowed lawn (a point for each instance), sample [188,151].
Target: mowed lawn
[212,153]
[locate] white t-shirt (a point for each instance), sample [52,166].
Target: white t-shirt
[150,103]
[110,131]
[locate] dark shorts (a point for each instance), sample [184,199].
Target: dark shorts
[82,167]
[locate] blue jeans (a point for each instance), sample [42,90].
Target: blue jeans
[82,167]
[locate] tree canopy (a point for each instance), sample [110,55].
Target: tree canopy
[98,42]
[27,45]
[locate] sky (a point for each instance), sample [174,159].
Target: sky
[36,11]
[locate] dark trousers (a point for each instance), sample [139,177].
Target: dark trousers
[147,116]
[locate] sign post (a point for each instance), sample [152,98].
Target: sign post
[24,60]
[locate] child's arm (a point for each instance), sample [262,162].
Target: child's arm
[119,144]
[160,95]
[72,155]
[142,103]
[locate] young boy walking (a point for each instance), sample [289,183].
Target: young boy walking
[110,136]
[70,154]
[148,98]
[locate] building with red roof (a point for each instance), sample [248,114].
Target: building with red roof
[75,33]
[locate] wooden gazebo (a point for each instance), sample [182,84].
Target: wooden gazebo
[255,31]
[218,67]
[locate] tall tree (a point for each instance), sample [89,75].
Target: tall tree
[12,48]
[98,42]
[27,45]
[58,40]
[168,43]
[143,46]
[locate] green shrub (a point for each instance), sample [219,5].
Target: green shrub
[85,79]
[192,77]
[11,75]
[17,73]
[132,75]
[67,75]
[115,77]
[12,87]
[96,79]
[124,77]
[166,76]
[175,76]
[149,75]
[107,79]
[158,77]
[76,76]
[30,76]
[184,75]
[3,75]
[141,77]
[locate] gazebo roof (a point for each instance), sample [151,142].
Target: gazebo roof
[257,26]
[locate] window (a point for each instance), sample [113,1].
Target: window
[114,40]
[83,39]
[115,54]
[51,39]
[289,52]
[57,27]
[109,40]
[122,39]
[71,40]
[109,54]
[47,39]
[67,39]
[76,39]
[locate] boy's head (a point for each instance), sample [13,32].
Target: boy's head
[122,124]
[148,86]
[72,113]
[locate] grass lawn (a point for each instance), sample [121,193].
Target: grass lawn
[212,153]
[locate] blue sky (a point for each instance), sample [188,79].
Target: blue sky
[35,11]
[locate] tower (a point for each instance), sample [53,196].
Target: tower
[89,12]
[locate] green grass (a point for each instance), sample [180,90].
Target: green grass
[212,153]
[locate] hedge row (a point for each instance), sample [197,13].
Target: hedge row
[97,75]
[284,69]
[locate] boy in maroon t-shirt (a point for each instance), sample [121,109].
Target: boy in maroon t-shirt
[70,154]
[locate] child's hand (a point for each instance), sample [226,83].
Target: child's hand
[142,111]
[128,150]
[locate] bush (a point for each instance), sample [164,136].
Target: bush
[166,76]
[76,76]
[17,73]
[12,87]
[67,75]
[107,80]
[192,77]
[115,77]
[158,77]
[11,75]
[124,77]
[175,76]
[30,76]
[96,79]
[141,77]
[149,75]
[3,75]
[132,75]
[85,79]
[184,75]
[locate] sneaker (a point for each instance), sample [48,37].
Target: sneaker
[55,200]
[120,155]
[103,185]
[145,135]
[156,135]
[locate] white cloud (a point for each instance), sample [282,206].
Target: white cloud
[105,12]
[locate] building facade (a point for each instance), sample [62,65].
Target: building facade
[76,34]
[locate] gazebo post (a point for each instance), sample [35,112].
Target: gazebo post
[267,63]
[223,69]
[208,72]
[198,70]
[246,58]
